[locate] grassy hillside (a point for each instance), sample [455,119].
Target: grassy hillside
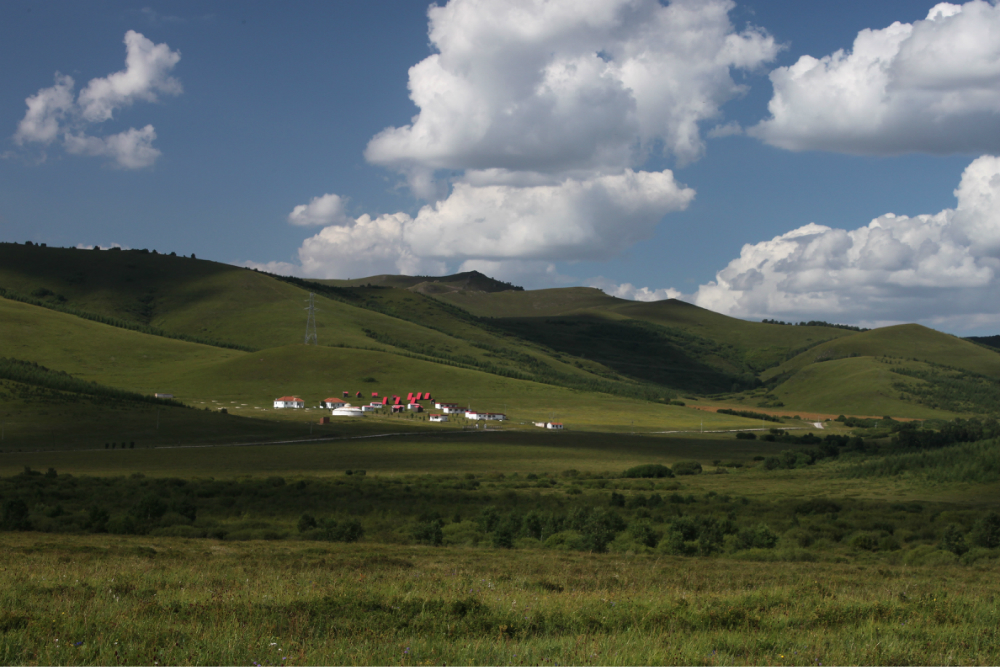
[573,339]
[907,341]
[246,383]
[753,346]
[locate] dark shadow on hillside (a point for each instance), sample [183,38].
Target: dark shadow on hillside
[639,350]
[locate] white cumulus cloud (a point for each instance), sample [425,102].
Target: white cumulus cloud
[146,73]
[931,86]
[554,86]
[325,210]
[631,292]
[131,149]
[46,110]
[53,112]
[937,268]
[595,218]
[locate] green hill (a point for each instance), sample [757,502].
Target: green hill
[564,340]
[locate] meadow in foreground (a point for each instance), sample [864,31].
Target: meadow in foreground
[142,600]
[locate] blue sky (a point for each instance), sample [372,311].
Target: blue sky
[690,150]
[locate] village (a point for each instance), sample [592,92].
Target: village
[395,404]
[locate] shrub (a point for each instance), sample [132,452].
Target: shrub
[985,532]
[306,522]
[15,515]
[741,435]
[649,470]
[429,532]
[687,468]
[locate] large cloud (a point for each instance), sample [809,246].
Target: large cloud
[556,86]
[542,113]
[594,218]
[53,113]
[577,219]
[931,86]
[940,268]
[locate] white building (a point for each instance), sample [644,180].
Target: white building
[489,416]
[416,407]
[554,426]
[438,418]
[454,410]
[441,406]
[347,411]
[289,402]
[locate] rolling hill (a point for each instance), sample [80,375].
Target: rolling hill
[486,339]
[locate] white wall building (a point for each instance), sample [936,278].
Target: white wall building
[289,402]
[438,418]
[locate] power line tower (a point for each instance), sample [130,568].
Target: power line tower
[311,322]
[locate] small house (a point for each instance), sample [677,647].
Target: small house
[324,420]
[473,414]
[331,403]
[554,426]
[398,408]
[452,410]
[163,396]
[416,407]
[357,394]
[439,405]
[289,402]
[385,401]
[496,416]
[346,394]
[438,418]
[375,394]
[427,395]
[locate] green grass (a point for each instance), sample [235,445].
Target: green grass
[856,386]
[417,453]
[99,600]
[247,383]
[904,341]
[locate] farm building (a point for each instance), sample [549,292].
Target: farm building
[416,407]
[398,408]
[375,394]
[438,418]
[289,402]
[369,408]
[331,403]
[347,411]
[452,410]
[554,426]
[488,416]
[440,406]
[378,404]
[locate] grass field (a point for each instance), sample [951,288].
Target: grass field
[101,600]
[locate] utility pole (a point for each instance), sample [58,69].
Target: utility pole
[311,321]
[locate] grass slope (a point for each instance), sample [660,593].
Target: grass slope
[908,341]
[246,383]
[852,386]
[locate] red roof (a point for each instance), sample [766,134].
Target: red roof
[427,396]
[289,398]
[385,400]
[332,400]
[375,394]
